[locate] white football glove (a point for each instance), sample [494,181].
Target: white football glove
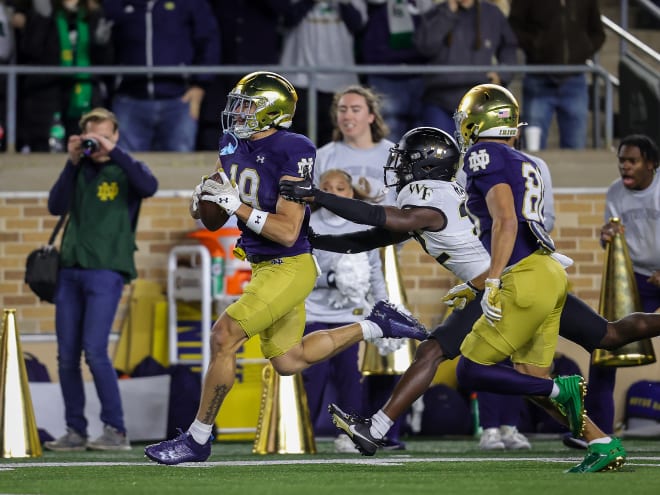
[459,295]
[490,302]
[225,195]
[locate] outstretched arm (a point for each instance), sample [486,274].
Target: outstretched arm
[389,217]
[357,242]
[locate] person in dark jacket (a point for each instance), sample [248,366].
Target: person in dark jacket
[160,112]
[71,33]
[557,32]
[260,48]
[101,187]
[387,39]
[461,32]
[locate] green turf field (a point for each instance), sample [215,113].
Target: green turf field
[434,466]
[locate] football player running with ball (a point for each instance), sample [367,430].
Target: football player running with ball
[256,153]
[431,208]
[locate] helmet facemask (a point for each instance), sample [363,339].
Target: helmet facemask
[397,172]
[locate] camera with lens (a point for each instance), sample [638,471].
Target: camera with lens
[89,146]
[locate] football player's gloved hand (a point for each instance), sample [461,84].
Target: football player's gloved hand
[490,302]
[223,194]
[196,196]
[459,295]
[300,191]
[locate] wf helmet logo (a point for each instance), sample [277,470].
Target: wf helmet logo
[107,192]
[479,160]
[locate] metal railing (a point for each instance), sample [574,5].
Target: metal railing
[626,38]
[597,71]
[648,7]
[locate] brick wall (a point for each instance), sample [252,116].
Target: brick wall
[25,224]
[164,221]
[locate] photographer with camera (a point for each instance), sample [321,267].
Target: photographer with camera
[101,187]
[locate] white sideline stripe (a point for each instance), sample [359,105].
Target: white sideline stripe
[390,461]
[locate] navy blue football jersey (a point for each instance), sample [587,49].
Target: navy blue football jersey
[257,168]
[487,164]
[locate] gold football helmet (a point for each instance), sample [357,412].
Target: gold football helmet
[259,101]
[486,110]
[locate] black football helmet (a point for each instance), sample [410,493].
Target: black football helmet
[422,153]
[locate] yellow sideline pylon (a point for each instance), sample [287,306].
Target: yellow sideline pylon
[619,297]
[284,424]
[19,436]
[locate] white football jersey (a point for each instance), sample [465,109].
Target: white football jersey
[457,246]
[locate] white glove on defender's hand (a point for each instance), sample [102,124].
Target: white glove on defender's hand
[459,295]
[387,346]
[352,274]
[490,302]
[225,195]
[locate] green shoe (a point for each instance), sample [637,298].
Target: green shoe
[602,457]
[570,401]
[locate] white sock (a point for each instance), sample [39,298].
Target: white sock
[370,330]
[380,424]
[555,391]
[200,432]
[601,440]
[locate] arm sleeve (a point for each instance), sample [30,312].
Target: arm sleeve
[143,182]
[357,242]
[61,194]
[352,209]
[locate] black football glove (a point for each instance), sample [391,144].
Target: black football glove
[300,191]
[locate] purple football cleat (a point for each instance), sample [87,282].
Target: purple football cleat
[395,323]
[180,449]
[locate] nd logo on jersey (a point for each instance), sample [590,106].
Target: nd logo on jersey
[479,160]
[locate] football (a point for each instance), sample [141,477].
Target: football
[212,216]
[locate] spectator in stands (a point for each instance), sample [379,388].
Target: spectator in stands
[358,145]
[101,187]
[635,200]
[160,112]
[462,32]
[68,33]
[320,33]
[557,32]
[251,35]
[387,40]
